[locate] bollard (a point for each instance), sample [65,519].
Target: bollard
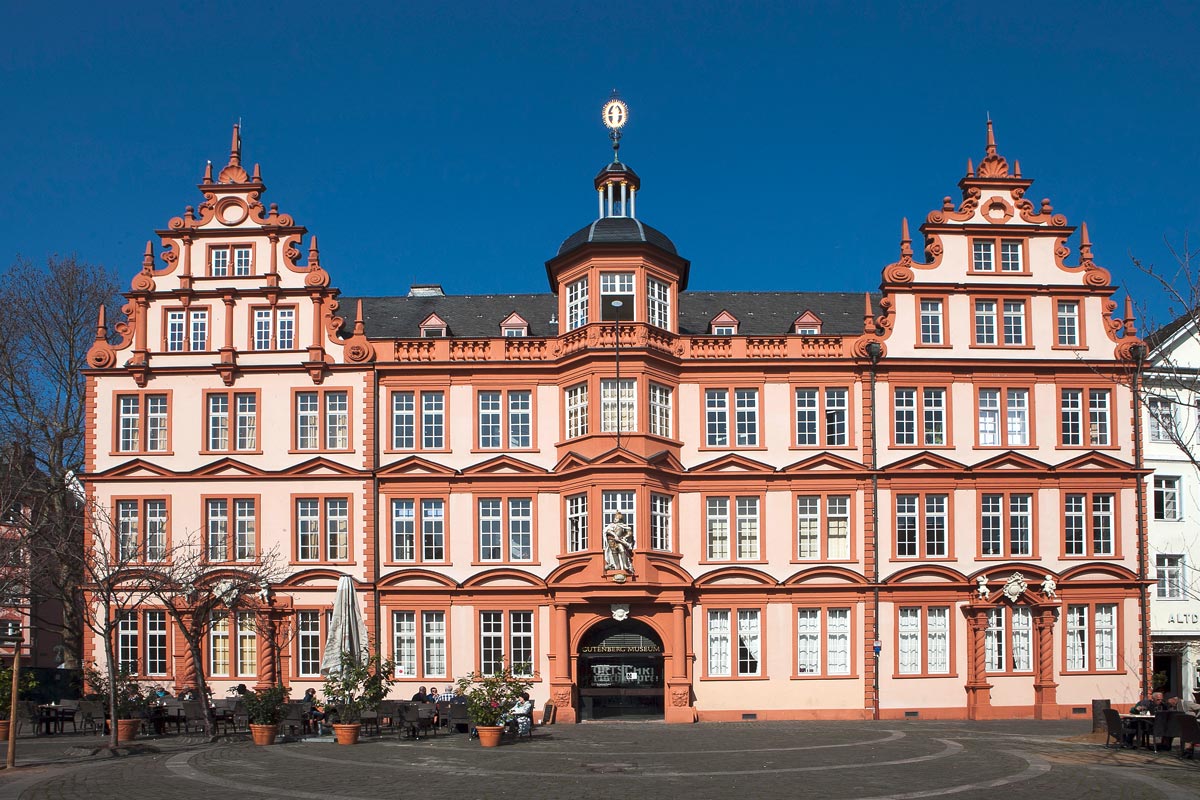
[1098,707]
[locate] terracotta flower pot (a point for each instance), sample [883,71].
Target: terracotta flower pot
[127,729]
[489,735]
[264,734]
[346,733]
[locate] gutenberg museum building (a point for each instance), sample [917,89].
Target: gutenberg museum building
[923,499]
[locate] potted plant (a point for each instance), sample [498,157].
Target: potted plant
[359,684]
[489,699]
[28,683]
[265,710]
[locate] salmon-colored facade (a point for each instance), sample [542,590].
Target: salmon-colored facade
[920,500]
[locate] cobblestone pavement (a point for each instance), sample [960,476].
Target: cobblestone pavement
[837,760]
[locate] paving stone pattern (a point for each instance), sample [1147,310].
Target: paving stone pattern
[836,760]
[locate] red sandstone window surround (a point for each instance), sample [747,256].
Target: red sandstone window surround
[141,529]
[931,322]
[732,418]
[924,524]
[1001,322]
[419,530]
[733,526]
[273,327]
[321,420]
[186,330]
[142,422]
[231,422]
[925,641]
[421,643]
[822,417]
[824,527]
[825,641]
[1068,323]
[309,643]
[418,420]
[230,260]
[1085,417]
[1008,524]
[231,528]
[1091,631]
[507,638]
[1008,640]
[322,525]
[1005,416]
[504,419]
[735,644]
[506,530]
[998,256]
[1089,526]
[920,416]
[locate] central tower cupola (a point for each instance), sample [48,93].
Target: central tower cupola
[617,257]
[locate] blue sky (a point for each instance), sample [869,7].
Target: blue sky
[779,144]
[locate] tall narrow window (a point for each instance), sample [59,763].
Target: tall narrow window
[577,410]
[127,643]
[242,258]
[1010,256]
[308,643]
[404,417]
[983,256]
[433,641]
[1163,426]
[747,528]
[658,303]
[1098,420]
[491,642]
[660,522]
[198,330]
[433,420]
[1166,498]
[1078,523]
[616,296]
[577,304]
[716,416]
[747,417]
[218,645]
[1014,322]
[931,321]
[660,410]
[1169,574]
[1071,417]
[577,523]
[247,642]
[404,643]
[717,522]
[618,405]
[718,644]
[175,332]
[156,643]
[985,322]
[1068,323]
[749,642]
[403,530]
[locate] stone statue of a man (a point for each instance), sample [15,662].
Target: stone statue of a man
[618,544]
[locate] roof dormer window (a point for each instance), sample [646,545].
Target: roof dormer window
[433,327]
[513,326]
[723,324]
[807,324]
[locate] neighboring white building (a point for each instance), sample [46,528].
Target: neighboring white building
[1171,438]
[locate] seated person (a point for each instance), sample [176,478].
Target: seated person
[421,696]
[520,715]
[1149,705]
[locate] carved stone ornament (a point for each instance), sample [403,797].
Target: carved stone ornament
[680,696]
[1014,587]
[983,591]
[1049,587]
[561,698]
[620,611]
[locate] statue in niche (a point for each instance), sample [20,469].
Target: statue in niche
[618,544]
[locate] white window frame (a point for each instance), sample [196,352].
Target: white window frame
[577,304]
[1170,576]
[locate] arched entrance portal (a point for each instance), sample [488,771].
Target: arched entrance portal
[621,671]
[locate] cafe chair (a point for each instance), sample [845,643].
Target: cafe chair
[1117,732]
[1189,735]
[28,714]
[91,715]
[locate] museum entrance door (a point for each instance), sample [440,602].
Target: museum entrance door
[620,671]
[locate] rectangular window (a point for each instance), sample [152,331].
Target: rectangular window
[156,642]
[142,422]
[618,405]
[723,661]
[330,517]
[1078,542]
[433,643]
[218,646]
[577,523]
[825,538]
[934,427]
[404,416]
[1008,640]
[921,526]
[244,422]
[746,417]
[746,511]
[323,420]
[127,643]
[660,410]
[141,530]
[716,417]
[931,322]
[505,419]
[176,341]
[242,541]
[198,331]
[1071,417]
[577,410]
[195,339]
[822,417]
[242,257]
[1169,573]
[520,642]
[432,526]
[924,640]
[491,642]
[247,644]
[658,303]
[1067,323]
[932,419]
[1163,426]
[577,304]
[433,420]
[823,652]
[308,643]
[1006,534]
[660,522]
[495,518]
[1094,650]
[1014,323]
[1098,419]
[985,322]
[717,525]
[1166,498]
[1010,256]
[219,263]
[616,296]
[275,328]
[404,643]
[983,256]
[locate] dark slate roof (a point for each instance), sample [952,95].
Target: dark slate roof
[617,230]
[472,316]
[1161,336]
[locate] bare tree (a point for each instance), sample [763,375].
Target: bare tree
[198,594]
[114,584]
[51,312]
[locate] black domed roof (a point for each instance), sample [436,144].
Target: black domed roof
[617,230]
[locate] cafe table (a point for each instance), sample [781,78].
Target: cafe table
[1142,724]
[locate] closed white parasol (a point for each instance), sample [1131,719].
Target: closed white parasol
[347,629]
